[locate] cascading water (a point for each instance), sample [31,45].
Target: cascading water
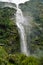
[19,22]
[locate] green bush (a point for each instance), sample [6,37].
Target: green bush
[30,61]
[41,61]
[3,53]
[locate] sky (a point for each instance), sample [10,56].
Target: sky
[14,1]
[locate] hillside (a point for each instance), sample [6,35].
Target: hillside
[10,53]
[9,37]
[34,9]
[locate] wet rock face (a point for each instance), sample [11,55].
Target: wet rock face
[33,9]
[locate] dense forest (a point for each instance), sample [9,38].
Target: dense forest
[10,53]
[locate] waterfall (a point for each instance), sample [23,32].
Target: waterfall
[20,20]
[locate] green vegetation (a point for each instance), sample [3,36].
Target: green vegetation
[20,59]
[9,36]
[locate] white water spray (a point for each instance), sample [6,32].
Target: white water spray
[19,22]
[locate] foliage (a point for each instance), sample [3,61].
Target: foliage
[9,36]
[20,59]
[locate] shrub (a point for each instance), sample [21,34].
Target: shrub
[30,61]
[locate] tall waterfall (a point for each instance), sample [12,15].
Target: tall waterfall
[20,20]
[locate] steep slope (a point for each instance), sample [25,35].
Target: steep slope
[9,37]
[34,9]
